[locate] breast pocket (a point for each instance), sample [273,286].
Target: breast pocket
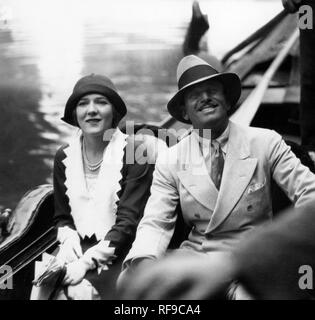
[255,197]
[255,187]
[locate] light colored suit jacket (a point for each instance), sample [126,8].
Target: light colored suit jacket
[219,219]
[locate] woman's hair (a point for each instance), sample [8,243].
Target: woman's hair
[116,117]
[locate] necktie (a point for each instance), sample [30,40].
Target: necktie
[217,163]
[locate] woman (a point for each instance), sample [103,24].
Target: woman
[99,197]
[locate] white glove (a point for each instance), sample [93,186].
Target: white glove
[82,291]
[76,271]
[70,247]
[100,256]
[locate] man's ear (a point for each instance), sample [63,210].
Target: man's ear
[228,105]
[184,113]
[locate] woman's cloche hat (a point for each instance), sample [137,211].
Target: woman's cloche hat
[192,70]
[93,84]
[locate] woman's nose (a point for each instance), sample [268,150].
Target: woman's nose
[91,107]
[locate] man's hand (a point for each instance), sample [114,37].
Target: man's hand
[292,5]
[181,276]
[143,263]
[75,272]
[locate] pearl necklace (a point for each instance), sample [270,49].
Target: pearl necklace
[90,166]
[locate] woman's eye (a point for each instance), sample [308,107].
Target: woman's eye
[82,103]
[102,101]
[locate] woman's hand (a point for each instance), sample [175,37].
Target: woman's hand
[82,291]
[75,272]
[70,251]
[70,248]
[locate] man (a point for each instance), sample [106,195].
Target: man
[225,194]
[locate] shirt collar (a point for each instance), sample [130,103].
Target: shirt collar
[222,139]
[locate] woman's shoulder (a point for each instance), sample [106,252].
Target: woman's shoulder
[60,154]
[139,157]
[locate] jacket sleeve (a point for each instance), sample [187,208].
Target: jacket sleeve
[136,182]
[158,223]
[62,216]
[295,179]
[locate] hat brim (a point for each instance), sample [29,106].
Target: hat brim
[229,80]
[73,100]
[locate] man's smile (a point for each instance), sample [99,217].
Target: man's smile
[208,107]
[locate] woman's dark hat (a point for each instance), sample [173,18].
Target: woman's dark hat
[93,84]
[192,70]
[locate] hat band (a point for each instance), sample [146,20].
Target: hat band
[195,73]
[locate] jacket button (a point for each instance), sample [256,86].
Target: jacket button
[250,208]
[197,215]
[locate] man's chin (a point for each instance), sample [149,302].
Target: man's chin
[205,122]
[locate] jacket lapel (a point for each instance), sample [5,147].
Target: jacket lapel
[194,176]
[237,173]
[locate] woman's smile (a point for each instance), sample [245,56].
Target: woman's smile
[93,121]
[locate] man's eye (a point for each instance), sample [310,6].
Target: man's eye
[193,96]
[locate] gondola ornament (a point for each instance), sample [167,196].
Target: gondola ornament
[4,223]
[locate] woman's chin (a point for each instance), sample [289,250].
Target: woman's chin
[95,130]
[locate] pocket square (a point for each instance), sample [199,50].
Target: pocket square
[254,187]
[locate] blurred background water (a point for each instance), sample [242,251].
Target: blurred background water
[46,45]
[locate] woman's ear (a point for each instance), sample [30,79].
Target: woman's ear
[74,117]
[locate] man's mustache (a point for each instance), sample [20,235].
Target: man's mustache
[207,103]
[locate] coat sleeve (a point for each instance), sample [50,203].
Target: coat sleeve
[136,182]
[295,179]
[157,225]
[62,216]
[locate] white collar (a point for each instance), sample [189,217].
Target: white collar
[94,213]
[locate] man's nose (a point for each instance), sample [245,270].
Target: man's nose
[205,95]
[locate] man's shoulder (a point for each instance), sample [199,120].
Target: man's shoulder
[183,143]
[172,157]
[256,133]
